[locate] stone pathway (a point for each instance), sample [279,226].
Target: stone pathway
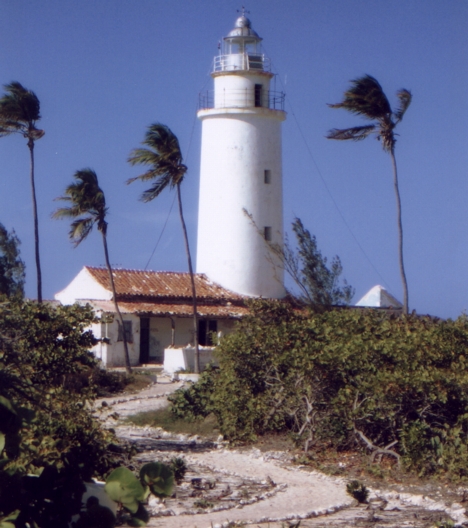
[301,494]
[283,492]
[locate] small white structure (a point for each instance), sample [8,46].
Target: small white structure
[240,208]
[177,359]
[378,297]
[157,312]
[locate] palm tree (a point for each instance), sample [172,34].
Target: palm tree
[367,99]
[166,169]
[88,207]
[19,111]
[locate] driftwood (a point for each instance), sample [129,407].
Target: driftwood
[379,451]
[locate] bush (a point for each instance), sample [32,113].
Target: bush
[194,402]
[45,426]
[394,385]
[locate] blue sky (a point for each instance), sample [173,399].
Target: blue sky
[106,69]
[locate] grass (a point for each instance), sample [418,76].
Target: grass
[115,382]
[165,419]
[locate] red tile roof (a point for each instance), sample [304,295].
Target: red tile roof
[162,285]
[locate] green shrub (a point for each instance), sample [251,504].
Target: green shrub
[194,402]
[393,385]
[179,468]
[50,444]
[358,491]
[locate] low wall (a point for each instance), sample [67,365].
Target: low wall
[184,358]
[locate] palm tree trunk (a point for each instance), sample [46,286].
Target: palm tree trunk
[192,280]
[128,368]
[400,234]
[36,222]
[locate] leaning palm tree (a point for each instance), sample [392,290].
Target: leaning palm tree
[367,99]
[166,169]
[88,207]
[19,111]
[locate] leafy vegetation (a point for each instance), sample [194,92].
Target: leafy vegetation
[319,284]
[49,443]
[179,468]
[393,386]
[357,490]
[11,266]
[129,492]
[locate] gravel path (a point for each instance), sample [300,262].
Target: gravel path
[318,500]
[302,495]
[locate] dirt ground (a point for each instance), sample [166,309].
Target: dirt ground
[265,487]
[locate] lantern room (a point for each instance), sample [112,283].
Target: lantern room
[241,49]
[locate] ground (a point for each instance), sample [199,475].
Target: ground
[266,486]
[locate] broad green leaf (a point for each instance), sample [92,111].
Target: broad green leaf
[123,487]
[140,518]
[159,477]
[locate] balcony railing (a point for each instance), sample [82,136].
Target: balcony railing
[241,61]
[246,98]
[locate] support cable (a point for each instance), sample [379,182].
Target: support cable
[327,188]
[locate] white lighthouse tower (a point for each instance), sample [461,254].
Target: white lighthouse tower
[241,199]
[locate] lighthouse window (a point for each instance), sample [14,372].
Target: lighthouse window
[267,233]
[267,176]
[258,95]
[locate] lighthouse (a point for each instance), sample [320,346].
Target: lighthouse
[240,218]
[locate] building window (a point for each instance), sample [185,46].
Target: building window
[206,329]
[267,176]
[267,233]
[128,331]
[258,95]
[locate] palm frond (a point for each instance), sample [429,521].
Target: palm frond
[86,194]
[88,205]
[163,157]
[150,174]
[365,98]
[19,104]
[157,188]
[142,156]
[354,133]
[160,138]
[66,212]
[404,97]
[80,229]
[5,131]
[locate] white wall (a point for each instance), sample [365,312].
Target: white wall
[83,286]
[113,354]
[238,145]
[238,90]
[176,359]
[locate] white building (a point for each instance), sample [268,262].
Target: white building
[379,297]
[156,308]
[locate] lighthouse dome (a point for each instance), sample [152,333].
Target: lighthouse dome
[243,28]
